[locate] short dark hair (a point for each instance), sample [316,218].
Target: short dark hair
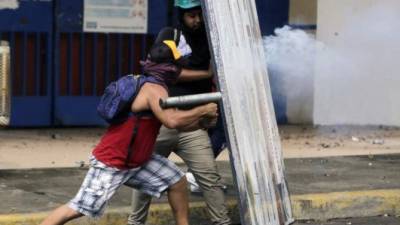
[161,53]
[182,11]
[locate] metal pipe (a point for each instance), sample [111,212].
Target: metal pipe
[189,101]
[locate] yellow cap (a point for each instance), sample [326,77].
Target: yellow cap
[171,44]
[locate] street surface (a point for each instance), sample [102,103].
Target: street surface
[357,221]
[71,147]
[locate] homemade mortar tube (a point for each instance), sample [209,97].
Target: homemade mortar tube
[188,101]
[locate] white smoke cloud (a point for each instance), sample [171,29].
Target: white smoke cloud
[290,56]
[351,78]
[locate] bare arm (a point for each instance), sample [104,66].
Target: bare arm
[193,75]
[174,118]
[191,127]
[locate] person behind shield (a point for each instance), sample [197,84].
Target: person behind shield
[193,147]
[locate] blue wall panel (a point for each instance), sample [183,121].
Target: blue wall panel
[47,42]
[158,15]
[70,15]
[86,62]
[30,16]
[81,111]
[28,29]
[274,14]
[30,111]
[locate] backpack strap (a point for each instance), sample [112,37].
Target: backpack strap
[136,126]
[133,138]
[177,36]
[138,85]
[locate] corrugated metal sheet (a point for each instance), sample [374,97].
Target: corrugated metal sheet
[256,155]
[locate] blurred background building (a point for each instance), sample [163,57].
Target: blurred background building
[58,70]
[64,52]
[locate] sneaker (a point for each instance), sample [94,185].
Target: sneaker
[224,188]
[194,188]
[193,185]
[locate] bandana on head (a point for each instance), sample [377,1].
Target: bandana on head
[165,72]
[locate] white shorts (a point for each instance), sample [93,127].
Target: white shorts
[102,181]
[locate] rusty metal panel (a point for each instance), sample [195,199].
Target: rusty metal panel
[254,142]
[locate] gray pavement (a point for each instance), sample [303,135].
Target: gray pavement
[41,190]
[383,220]
[338,174]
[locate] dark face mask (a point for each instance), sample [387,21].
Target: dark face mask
[167,73]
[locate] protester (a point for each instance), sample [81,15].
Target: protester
[193,147]
[111,164]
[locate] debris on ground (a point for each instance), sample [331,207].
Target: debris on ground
[55,136]
[378,142]
[80,163]
[324,145]
[356,139]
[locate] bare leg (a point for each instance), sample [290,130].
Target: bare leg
[178,199]
[61,215]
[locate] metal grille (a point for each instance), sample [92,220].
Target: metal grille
[5,98]
[89,61]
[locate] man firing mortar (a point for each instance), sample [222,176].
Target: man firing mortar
[112,164]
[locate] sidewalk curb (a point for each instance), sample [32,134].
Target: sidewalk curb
[324,206]
[319,206]
[159,214]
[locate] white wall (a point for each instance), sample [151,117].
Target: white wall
[357,77]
